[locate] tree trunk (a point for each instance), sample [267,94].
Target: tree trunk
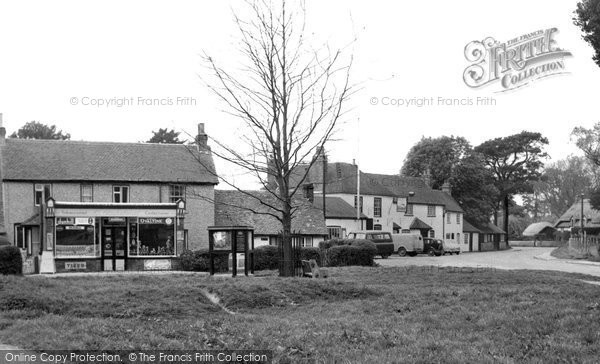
[506,201]
[286,241]
[496,216]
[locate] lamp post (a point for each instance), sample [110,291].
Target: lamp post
[581,223]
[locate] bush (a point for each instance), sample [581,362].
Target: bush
[199,261]
[352,252]
[266,257]
[326,244]
[11,261]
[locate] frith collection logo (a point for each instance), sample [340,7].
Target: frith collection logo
[514,63]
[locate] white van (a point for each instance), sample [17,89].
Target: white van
[408,244]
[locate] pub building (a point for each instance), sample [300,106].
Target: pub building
[104,206]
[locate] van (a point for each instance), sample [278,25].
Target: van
[382,240]
[408,244]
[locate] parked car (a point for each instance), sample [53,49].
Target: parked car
[451,247]
[433,246]
[383,240]
[408,244]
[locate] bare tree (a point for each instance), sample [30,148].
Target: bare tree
[289,97]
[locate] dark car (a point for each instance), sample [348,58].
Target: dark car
[433,246]
[382,240]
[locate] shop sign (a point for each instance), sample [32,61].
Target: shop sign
[152,220]
[114,212]
[84,221]
[75,265]
[65,221]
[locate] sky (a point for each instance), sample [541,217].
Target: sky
[59,60]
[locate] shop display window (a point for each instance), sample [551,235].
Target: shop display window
[76,237]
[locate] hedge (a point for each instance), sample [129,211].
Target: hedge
[266,257]
[11,261]
[199,261]
[344,252]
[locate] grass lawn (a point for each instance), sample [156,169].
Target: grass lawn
[365,315]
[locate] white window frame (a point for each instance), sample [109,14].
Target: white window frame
[83,196]
[41,188]
[120,193]
[431,210]
[377,210]
[174,197]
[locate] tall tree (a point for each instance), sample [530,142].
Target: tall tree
[436,156]
[451,159]
[515,161]
[587,17]
[165,136]
[289,98]
[588,140]
[37,130]
[559,187]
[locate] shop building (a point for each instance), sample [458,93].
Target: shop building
[94,206]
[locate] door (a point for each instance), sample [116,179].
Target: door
[471,241]
[113,247]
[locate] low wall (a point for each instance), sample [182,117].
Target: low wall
[491,246]
[529,243]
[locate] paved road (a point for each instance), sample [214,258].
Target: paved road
[516,258]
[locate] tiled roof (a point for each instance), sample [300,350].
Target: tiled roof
[487,228]
[232,209]
[54,160]
[336,208]
[435,197]
[419,224]
[469,228]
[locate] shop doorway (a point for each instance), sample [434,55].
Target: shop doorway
[114,240]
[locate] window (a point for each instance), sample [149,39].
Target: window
[430,210]
[155,237]
[87,193]
[458,219]
[42,193]
[395,200]
[405,231]
[334,232]
[432,233]
[466,238]
[76,237]
[176,192]
[447,235]
[120,194]
[458,237]
[448,218]
[377,207]
[409,209]
[377,227]
[361,203]
[20,237]
[306,242]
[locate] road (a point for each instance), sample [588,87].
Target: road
[516,258]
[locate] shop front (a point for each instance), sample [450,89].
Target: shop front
[114,236]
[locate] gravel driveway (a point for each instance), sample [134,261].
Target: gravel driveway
[516,258]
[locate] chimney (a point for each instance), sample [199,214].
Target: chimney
[427,178]
[2,132]
[202,138]
[447,188]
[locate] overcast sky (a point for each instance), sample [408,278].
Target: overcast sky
[56,54]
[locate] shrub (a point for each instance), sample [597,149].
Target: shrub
[266,257]
[326,244]
[353,252]
[199,261]
[11,261]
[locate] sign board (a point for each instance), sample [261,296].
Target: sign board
[75,265]
[158,221]
[157,264]
[49,241]
[401,204]
[113,212]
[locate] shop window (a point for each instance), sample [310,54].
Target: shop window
[41,194]
[431,211]
[87,193]
[176,192]
[409,209]
[377,207]
[120,194]
[76,237]
[155,237]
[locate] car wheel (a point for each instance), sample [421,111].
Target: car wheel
[441,253]
[402,252]
[431,253]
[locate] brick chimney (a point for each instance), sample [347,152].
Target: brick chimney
[202,138]
[427,178]
[447,188]
[2,132]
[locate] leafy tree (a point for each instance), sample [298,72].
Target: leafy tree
[560,187]
[436,156]
[515,162]
[587,17]
[452,159]
[37,130]
[165,136]
[473,188]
